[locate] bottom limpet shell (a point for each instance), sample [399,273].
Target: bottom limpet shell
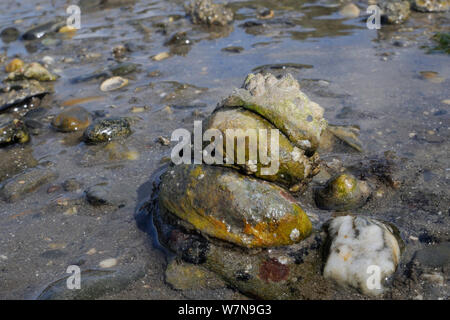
[221,203]
[289,272]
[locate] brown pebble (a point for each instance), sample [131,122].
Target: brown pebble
[53,189]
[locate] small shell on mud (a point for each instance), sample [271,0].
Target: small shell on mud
[113,83]
[223,204]
[342,192]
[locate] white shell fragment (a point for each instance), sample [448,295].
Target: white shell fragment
[108,263]
[363,253]
[113,83]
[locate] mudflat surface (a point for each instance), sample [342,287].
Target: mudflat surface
[369,78]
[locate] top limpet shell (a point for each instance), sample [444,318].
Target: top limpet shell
[281,102]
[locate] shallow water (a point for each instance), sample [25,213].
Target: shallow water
[369,78]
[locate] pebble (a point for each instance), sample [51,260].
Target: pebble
[163,141]
[9,34]
[209,13]
[123,69]
[432,76]
[72,119]
[113,83]
[107,130]
[54,188]
[27,182]
[233,49]
[103,195]
[15,161]
[14,65]
[31,71]
[161,56]
[342,192]
[67,29]
[71,185]
[48,60]
[350,11]
[357,243]
[266,14]
[186,276]
[108,263]
[167,109]
[13,131]
[139,109]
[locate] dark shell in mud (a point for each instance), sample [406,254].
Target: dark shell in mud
[293,166]
[342,192]
[107,130]
[221,203]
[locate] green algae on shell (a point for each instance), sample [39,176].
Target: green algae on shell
[342,192]
[223,204]
[293,165]
[107,130]
[281,102]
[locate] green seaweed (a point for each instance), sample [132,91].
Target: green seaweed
[443,42]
